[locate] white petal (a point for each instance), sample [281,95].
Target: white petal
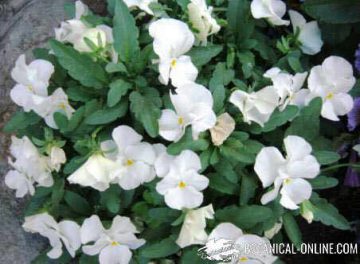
[310,38]
[186,198]
[307,167]
[141,152]
[342,103]
[184,72]
[271,195]
[135,175]
[267,164]
[71,236]
[202,118]
[295,192]
[193,229]
[296,147]
[328,111]
[115,255]
[91,229]
[169,127]
[297,20]
[225,231]
[187,160]
[125,136]
[172,38]
[20,183]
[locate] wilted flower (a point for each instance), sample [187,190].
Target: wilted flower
[309,33]
[67,232]
[201,19]
[182,185]
[287,173]
[256,106]
[193,107]
[357,59]
[271,10]
[57,158]
[113,245]
[225,125]
[332,81]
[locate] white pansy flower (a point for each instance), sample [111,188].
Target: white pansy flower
[193,107]
[193,229]
[141,4]
[225,125]
[287,174]
[182,185]
[30,168]
[332,81]
[256,106]
[242,244]
[309,33]
[271,10]
[97,172]
[57,102]
[163,160]
[135,158]
[32,82]
[288,87]
[201,19]
[65,232]
[172,39]
[114,244]
[57,158]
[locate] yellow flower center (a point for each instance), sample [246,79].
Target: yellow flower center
[114,243]
[30,88]
[180,120]
[173,63]
[62,106]
[182,185]
[243,259]
[129,162]
[329,96]
[287,181]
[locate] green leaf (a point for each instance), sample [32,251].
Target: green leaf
[118,89]
[279,118]
[333,11]
[292,229]
[221,184]
[247,188]
[79,66]
[328,214]
[86,259]
[125,32]
[235,150]
[244,217]
[187,142]
[61,121]
[77,203]
[108,115]
[293,59]
[201,56]
[161,249]
[221,76]
[326,157]
[183,4]
[323,182]
[240,22]
[146,108]
[21,120]
[307,124]
[115,67]
[247,61]
[110,198]
[334,34]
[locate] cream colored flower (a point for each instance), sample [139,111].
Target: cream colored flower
[225,125]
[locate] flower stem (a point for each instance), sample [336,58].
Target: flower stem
[340,166]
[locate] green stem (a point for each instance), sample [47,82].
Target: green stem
[340,166]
